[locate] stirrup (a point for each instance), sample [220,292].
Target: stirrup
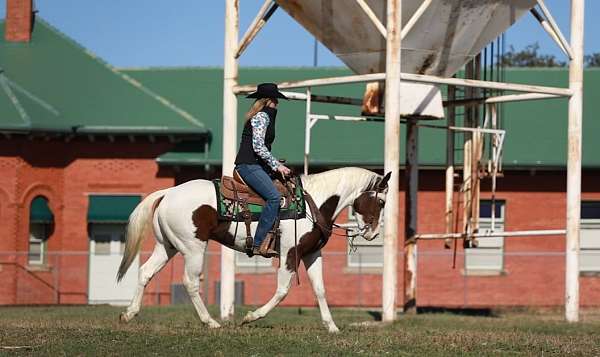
[249,247]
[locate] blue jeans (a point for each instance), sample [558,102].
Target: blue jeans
[256,177]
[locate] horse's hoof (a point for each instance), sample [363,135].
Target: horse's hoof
[213,324]
[123,318]
[247,319]
[331,328]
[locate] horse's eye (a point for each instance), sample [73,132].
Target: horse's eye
[381,203]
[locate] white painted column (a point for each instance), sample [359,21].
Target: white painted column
[230,75]
[574,162]
[392,159]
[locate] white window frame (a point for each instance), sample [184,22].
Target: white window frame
[361,242]
[41,241]
[589,224]
[482,250]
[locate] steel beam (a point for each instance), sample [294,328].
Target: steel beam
[230,78]
[264,14]
[418,78]
[574,162]
[533,233]
[415,17]
[372,17]
[391,158]
[554,30]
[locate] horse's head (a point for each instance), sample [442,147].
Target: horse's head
[368,208]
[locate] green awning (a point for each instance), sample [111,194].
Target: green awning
[40,212]
[111,209]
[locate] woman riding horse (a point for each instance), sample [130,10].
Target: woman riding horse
[255,163]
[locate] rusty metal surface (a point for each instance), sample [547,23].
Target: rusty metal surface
[448,35]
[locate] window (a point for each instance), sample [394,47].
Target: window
[37,243]
[107,239]
[41,221]
[488,256]
[366,254]
[589,260]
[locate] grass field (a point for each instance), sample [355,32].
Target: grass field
[95,330]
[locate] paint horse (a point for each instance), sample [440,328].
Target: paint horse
[184,219]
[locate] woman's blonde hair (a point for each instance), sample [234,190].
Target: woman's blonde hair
[257,107]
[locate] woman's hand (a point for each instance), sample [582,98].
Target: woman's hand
[282,169]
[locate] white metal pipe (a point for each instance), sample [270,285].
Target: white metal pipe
[449,214]
[230,77]
[415,17]
[490,234]
[557,33]
[307,128]
[520,97]
[391,158]
[418,78]
[323,98]
[256,25]
[574,162]
[373,17]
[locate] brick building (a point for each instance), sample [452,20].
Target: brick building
[83,142]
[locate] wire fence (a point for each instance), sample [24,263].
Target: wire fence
[487,279]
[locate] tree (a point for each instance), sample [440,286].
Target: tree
[529,57]
[593,60]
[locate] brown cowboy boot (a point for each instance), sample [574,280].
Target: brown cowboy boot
[265,247]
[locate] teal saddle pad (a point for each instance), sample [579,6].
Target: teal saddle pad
[229,210]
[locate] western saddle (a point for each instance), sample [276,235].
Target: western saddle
[235,189]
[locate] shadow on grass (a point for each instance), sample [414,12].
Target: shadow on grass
[482,312]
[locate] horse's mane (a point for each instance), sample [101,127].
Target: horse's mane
[342,180]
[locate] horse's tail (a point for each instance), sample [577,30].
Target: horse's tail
[136,228]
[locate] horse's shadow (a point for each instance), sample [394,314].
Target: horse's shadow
[481,312]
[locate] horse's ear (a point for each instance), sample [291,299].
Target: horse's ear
[383,184]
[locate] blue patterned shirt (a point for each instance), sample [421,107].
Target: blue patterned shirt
[260,122]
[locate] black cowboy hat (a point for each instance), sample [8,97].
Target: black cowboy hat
[266,90]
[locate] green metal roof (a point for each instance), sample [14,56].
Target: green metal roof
[107,209]
[62,87]
[536,131]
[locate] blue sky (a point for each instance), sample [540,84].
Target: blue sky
[142,33]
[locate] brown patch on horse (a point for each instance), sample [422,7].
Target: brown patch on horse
[206,221]
[309,242]
[369,207]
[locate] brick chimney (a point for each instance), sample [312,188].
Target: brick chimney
[19,18]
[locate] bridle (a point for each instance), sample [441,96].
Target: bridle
[359,231]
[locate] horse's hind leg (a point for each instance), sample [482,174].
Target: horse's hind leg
[284,279]
[314,267]
[160,256]
[194,261]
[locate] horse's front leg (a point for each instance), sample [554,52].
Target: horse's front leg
[284,278]
[314,267]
